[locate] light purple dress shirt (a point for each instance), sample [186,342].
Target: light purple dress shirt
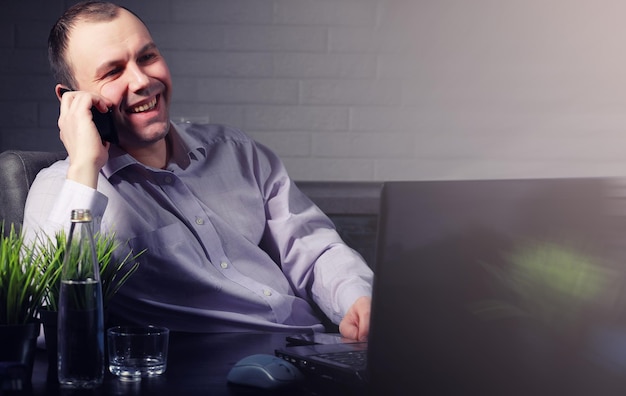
[231,243]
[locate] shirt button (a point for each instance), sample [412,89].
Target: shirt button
[267,292]
[199,220]
[224,265]
[168,179]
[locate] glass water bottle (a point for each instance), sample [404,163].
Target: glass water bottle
[81,321]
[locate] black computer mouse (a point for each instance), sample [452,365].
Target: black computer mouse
[264,371]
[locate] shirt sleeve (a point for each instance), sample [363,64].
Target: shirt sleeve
[51,200]
[319,265]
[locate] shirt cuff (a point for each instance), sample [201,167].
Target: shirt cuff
[351,294]
[74,195]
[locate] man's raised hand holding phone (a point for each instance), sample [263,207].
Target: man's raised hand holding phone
[86,149]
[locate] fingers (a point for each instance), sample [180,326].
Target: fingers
[75,117]
[357,329]
[349,329]
[76,111]
[363,310]
[86,101]
[101,103]
[80,99]
[355,325]
[364,326]
[87,152]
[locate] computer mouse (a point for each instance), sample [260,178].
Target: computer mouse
[264,371]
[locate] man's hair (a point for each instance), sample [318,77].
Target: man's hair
[85,11]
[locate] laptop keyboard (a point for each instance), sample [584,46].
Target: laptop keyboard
[356,359]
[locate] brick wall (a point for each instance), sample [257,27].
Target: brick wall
[370,89]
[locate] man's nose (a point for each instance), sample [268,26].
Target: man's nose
[138,79]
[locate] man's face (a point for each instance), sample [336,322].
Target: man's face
[119,60]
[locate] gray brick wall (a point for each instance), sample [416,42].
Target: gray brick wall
[370,89]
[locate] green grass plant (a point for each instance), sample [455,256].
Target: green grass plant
[24,279]
[113,274]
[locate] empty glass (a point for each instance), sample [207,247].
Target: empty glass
[136,352]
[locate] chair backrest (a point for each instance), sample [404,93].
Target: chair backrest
[17,172]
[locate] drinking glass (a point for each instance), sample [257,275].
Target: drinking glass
[136,352]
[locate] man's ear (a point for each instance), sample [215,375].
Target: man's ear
[60,89]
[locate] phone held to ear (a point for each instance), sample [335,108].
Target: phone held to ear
[104,122]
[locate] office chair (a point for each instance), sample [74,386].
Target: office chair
[17,172]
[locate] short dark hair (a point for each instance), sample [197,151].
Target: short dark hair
[89,11]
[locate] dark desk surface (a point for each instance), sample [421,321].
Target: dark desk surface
[197,365]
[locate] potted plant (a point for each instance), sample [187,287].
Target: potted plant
[113,274]
[24,280]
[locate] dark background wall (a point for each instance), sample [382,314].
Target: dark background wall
[370,89]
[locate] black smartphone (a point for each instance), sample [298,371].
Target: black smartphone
[104,122]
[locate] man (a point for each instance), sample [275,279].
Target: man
[231,243]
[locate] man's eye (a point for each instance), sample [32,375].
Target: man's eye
[112,72]
[147,57]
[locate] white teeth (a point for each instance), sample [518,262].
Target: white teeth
[146,107]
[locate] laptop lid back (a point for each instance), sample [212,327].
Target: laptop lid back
[499,287]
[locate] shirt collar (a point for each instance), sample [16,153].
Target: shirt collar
[185,148]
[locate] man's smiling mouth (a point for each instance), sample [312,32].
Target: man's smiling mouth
[145,107]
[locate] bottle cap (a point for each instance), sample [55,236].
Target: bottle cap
[79,215]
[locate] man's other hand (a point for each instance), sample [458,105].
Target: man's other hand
[356,324]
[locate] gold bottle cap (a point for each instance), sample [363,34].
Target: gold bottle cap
[80,215]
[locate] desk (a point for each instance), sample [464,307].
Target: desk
[197,365]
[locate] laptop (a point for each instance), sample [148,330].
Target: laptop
[493,287]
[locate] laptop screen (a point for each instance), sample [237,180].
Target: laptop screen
[500,286]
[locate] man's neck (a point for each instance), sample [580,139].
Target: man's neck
[156,155]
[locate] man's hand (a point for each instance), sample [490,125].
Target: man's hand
[356,324]
[80,137]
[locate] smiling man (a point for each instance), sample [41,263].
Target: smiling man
[231,243]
